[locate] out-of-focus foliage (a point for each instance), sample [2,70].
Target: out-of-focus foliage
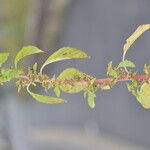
[12,23]
[3,57]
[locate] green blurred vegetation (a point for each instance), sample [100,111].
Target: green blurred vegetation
[12,23]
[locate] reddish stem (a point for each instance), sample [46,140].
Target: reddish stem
[100,80]
[125,78]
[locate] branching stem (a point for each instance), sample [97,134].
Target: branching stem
[98,81]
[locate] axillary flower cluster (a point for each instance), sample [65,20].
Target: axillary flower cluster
[72,80]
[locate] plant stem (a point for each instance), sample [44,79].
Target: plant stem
[125,78]
[98,81]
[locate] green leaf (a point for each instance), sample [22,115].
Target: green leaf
[113,73]
[126,63]
[45,99]
[3,57]
[133,86]
[26,51]
[57,91]
[63,54]
[147,69]
[91,99]
[138,32]
[143,96]
[35,67]
[8,74]
[69,75]
[110,71]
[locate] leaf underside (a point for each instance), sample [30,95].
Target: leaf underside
[138,32]
[64,54]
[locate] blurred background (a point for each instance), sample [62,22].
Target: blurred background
[100,28]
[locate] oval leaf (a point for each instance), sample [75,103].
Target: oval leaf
[3,57]
[138,32]
[63,54]
[91,99]
[57,91]
[143,96]
[45,99]
[25,51]
[71,74]
[111,71]
[126,63]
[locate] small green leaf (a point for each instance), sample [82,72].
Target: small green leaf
[63,54]
[57,91]
[3,57]
[69,75]
[91,99]
[143,96]
[111,71]
[147,69]
[126,63]
[26,51]
[8,74]
[133,86]
[35,67]
[45,99]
